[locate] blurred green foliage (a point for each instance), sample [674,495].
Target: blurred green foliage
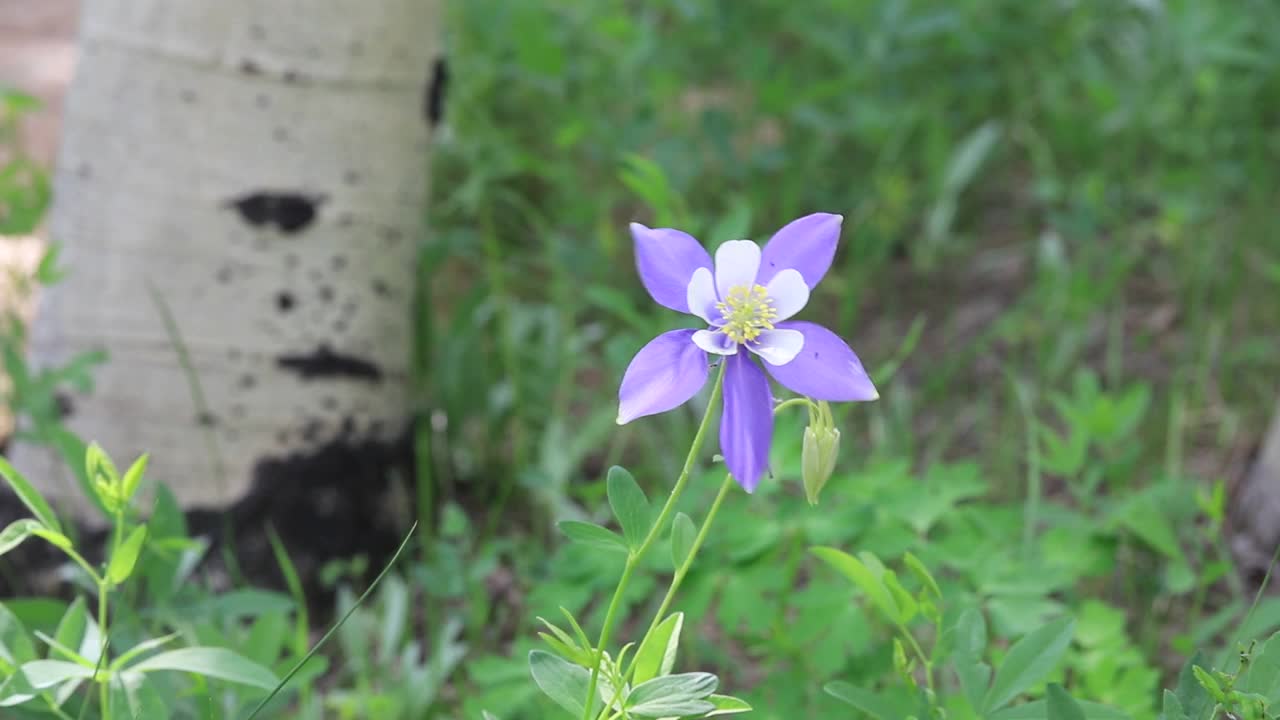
[1059,262]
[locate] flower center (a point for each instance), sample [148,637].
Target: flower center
[747,312]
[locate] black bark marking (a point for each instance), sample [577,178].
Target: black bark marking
[380,287]
[206,419]
[437,87]
[351,177]
[247,381]
[64,406]
[326,293]
[338,262]
[285,301]
[280,134]
[249,67]
[290,212]
[224,274]
[261,101]
[325,363]
[188,96]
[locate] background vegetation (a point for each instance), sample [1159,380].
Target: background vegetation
[1060,263]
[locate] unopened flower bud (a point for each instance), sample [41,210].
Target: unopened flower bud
[818,459]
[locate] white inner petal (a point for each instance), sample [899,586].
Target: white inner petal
[737,263]
[777,347]
[701,295]
[716,342]
[790,293]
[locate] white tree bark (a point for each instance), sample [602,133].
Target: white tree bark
[262,166]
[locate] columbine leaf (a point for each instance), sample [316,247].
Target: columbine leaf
[562,681]
[1061,706]
[727,705]
[125,557]
[17,531]
[27,493]
[658,653]
[1172,709]
[974,676]
[673,695]
[71,628]
[15,644]
[865,700]
[47,673]
[682,535]
[1038,709]
[1028,661]
[592,535]
[863,577]
[213,662]
[629,505]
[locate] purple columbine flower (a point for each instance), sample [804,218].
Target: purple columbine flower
[747,298]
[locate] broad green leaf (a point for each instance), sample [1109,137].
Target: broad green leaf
[1060,705]
[863,577]
[975,676]
[1038,709]
[727,705]
[1172,708]
[71,628]
[266,638]
[629,505]
[562,681]
[125,557]
[865,700]
[39,675]
[1027,662]
[17,531]
[16,647]
[672,695]
[657,654]
[1145,518]
[27,493]
[971,633]
[682,534]
[1193,697]
[213,662]
[592,535]
[1263,673]
[47,673]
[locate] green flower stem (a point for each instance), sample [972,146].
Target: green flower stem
[635,556]
[924,659]
[683,570]
[104,688]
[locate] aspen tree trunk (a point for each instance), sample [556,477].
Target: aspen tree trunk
[258,170]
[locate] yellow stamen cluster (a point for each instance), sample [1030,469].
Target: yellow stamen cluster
[747,312]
